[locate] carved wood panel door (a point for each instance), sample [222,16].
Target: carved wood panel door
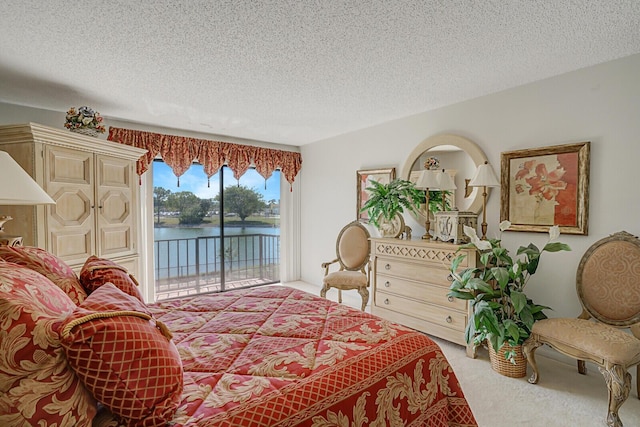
[115,221]
[69,180]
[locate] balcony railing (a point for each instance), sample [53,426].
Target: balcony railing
[197,265]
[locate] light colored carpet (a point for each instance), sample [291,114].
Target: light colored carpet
[562,397]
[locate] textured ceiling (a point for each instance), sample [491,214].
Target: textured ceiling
[294,72]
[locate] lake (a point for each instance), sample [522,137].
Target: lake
[167,233]
[188,251]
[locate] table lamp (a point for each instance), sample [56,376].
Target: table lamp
[484,177]
[428,179]
[17,188]
[445,184]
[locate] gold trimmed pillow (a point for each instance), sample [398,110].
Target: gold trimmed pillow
[47,264]
[37,387]
[98,271]
[124,357]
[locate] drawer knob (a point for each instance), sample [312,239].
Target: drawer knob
[387,284]
[386,301]
[450,298]
[449,319]
[387,267]
[450,277]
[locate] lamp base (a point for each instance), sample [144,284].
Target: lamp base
[7,239]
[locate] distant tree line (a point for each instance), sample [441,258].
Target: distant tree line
[241,200]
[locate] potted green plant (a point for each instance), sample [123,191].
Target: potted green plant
[501,313]
[387,202]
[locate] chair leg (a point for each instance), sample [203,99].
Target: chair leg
[364,293]
[340,296]
[323,291]
[529,348]
[618,383]
[638,380]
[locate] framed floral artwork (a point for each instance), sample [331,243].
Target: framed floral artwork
[364,178]
[546,186]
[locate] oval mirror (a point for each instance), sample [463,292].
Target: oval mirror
[460,158]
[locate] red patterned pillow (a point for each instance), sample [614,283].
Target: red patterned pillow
[37,387]
[97,271]
[49,266]
[124,357]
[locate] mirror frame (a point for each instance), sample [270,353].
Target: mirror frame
[468,146]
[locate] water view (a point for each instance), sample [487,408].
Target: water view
[190,255]
[192,260]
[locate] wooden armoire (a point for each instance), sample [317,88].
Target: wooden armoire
[94,184]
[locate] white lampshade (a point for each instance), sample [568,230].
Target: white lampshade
[446,182]
[17,187]
[428,179]
[484,177]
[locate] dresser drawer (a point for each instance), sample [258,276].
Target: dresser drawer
[412,271]
[439,315]
[436,254]
[424,292]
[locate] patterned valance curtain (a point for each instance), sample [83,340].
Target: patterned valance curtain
[180,152]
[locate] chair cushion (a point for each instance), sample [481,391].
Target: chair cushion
[594,338]
[345,280]
[353,246]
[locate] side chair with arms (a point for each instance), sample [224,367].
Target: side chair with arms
[352,254]
[608,286]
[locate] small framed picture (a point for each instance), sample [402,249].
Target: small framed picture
[546,186]
[364,178]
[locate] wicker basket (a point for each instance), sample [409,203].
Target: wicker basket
[503,366]
[86,131]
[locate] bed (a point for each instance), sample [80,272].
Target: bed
[266,356]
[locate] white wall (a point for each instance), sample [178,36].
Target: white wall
[600,104]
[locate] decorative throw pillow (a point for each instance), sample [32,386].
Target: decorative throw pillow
[125,358]
[37,387]
[97,271]
[49,266]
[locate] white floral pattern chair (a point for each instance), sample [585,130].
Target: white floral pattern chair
[608,286]
[352,253]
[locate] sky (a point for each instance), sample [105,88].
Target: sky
[195,180]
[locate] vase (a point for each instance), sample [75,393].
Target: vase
[86,131]
[392,228]
[503,366]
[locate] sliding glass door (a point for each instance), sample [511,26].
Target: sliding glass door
[217,234]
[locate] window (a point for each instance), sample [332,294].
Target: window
[207,243]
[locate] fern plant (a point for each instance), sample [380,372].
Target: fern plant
[388,200]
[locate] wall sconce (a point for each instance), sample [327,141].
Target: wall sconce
[484,177]
[428,179]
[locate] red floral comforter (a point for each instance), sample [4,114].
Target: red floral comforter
[276,356]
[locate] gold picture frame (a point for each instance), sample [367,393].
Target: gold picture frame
[546,186]
[363,177]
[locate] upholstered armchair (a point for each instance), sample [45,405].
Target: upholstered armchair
[608,286]
[352,254]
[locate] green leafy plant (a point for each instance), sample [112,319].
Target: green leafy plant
[500,310]
[388,200]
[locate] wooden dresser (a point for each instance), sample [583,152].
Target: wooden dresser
[411,279]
